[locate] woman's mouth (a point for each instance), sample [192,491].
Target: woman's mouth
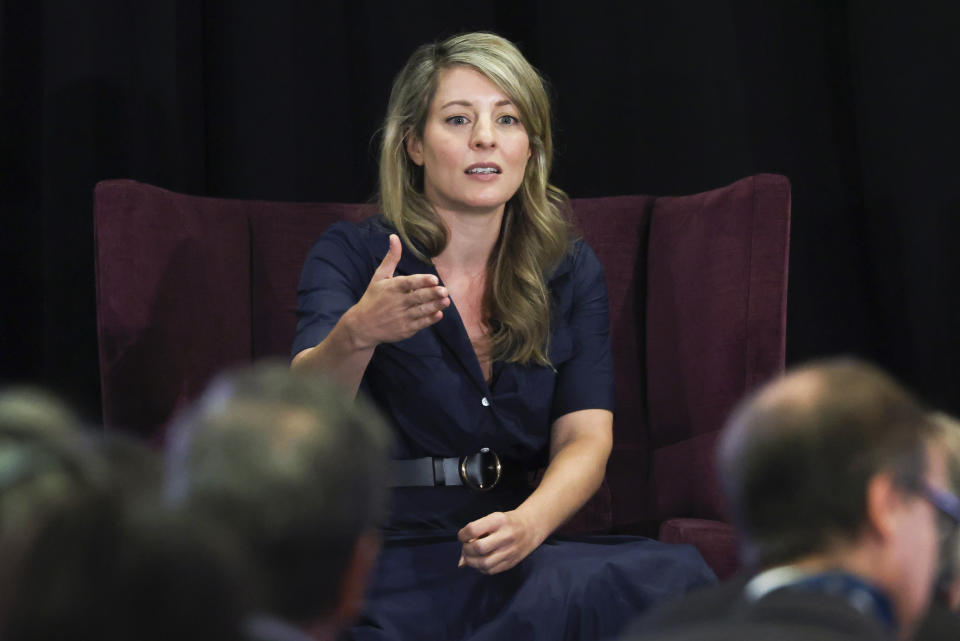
[483,168]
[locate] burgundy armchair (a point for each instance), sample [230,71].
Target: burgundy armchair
[187,286]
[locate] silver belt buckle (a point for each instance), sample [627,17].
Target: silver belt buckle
[481,471]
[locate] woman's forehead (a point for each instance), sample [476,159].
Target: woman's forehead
[464,84]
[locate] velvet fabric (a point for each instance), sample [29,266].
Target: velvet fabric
[716,541]
[173,298]
[187,286]
[617,229]
[279,240]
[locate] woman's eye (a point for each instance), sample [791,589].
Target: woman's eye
[457,120]
[509,120]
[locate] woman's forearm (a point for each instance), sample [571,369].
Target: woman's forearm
[340,356]
[580,446]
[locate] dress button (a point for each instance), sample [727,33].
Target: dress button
[485,402]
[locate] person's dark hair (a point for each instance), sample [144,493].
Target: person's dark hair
[796,457]
[107,567]
[84,551]
[134,466]
[295,468]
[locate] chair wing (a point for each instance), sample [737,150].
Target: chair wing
[188,286]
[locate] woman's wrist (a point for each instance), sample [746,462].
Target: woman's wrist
[350,327]
[537,525]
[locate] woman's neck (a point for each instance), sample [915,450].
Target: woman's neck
[471,238]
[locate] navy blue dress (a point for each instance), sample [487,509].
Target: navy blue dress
[432,388]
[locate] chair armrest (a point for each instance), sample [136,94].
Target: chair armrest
[716,541]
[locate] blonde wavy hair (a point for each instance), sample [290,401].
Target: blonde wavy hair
[535,232]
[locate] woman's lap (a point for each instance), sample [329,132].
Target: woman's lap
[569,588]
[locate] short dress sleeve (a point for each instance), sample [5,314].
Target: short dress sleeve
[335,275]
[581,339]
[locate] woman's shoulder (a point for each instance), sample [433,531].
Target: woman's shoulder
[579,259]
[354,248]
[374,227]
[368,235]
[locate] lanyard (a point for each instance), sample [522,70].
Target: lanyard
[860,595]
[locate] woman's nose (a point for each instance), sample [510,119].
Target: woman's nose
[483,135]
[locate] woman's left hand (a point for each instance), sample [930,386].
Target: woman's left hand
[498,541]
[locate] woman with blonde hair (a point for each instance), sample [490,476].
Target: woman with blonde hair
[480,326]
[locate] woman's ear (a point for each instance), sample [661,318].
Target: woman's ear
[414,148]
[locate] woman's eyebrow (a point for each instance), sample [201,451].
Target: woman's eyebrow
[467,103]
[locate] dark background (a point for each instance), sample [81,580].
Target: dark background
[856,101]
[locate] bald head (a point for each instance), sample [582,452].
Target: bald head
[795,458]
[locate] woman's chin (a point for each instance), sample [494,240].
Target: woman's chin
[478,207]
[489,202]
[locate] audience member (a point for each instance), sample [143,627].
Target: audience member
[943,619]
[29,409]
[106,567]
[297,470]
[947,588]
[43,463]
[86,554]
[835,481]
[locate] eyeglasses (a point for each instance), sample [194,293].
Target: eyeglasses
[947,504]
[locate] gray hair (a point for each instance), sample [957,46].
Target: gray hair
[295,467]
[44,461]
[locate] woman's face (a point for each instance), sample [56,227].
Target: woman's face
[474,148]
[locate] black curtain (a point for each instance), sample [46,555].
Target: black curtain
[853,100]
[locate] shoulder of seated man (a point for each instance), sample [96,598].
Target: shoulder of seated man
[703,605]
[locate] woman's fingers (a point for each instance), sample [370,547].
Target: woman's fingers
[396,307]
[425,302]
[415,283]
[484,536]
[425,309]
[481,527]
[491,554]
[426,312]
[494,543]
[499,563]
[389,263]
[426,321]
[487,545]
[491,564]
[425,295]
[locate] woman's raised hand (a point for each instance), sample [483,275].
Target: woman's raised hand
[395,307]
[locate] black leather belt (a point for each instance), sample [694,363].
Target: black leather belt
[481,471]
